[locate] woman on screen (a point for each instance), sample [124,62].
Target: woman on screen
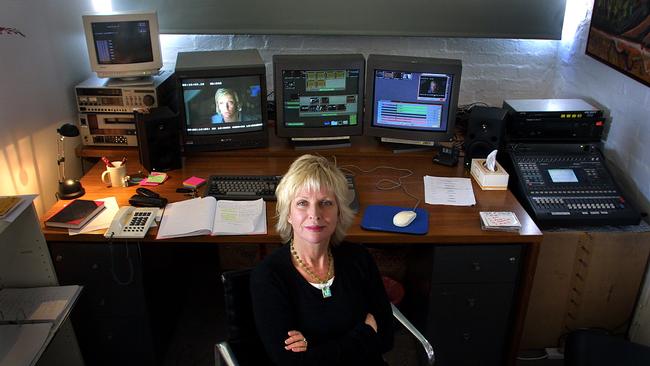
[228,107]
[315,301]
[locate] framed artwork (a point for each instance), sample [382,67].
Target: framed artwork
[619,36]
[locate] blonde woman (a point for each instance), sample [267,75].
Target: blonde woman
[318,301]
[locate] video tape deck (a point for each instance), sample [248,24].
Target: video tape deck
[103,95]
[108,129]
[553,121]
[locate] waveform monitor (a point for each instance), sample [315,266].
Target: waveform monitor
[411,100]
[319,98]
[123,45]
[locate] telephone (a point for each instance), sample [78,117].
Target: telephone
[131,222]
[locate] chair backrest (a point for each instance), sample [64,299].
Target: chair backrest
[242,333]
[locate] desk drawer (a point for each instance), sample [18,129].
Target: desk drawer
[93,263]
[476,263]
[469,323]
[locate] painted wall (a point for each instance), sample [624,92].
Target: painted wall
[626,100]
[38,73]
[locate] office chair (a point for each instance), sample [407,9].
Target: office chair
[595,348]
[242,334]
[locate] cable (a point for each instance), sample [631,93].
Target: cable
[385,184]
[130,262]
[543,357]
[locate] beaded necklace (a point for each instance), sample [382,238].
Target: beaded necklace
[326,289]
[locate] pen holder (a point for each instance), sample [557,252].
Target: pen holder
[487,179]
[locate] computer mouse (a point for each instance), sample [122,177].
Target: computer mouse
[404,218]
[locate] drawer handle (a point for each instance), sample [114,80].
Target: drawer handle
[476,266]
[58,258]
[471,302]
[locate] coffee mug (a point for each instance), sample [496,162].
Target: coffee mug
[116,173]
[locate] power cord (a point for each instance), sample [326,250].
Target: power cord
[385,184]
[129,261]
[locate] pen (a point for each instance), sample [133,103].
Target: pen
[107,162]
[123,160]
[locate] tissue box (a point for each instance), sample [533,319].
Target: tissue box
[489,180]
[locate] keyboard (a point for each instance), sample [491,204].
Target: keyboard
[252,187]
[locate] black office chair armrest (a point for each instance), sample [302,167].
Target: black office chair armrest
[431,358]
[223,354]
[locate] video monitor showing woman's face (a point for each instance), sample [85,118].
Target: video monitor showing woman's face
[222,105]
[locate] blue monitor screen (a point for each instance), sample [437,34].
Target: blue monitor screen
[412,100]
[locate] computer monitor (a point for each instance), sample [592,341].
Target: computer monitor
[411,100]
[222,100]
[123,45]
[319,98]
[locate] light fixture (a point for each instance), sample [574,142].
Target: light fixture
[68,188]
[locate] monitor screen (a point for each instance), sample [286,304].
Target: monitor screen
[319,95]
[123,45]
[412,98]
[320,98]
[223,100]
[222,105]
[122,42]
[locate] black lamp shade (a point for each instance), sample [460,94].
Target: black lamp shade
[68,130]
[70,189]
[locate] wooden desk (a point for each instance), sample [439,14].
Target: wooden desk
[458,226]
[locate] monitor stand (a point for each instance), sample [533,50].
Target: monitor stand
[147,80]
[401,145]
[317,143]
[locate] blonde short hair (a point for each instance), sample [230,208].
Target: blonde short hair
[222,92]
[314,173]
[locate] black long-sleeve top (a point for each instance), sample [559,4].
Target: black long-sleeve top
[334,327]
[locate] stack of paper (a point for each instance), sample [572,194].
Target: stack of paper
[499,221]
[154,179]
[193,182]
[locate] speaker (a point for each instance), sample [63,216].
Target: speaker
[159,139]
[485,130]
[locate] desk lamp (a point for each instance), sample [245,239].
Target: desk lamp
[68,188]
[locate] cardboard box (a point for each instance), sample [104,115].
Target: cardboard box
[489,180]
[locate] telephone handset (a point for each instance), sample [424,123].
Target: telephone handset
[131,222]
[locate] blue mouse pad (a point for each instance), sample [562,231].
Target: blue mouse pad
[380,218]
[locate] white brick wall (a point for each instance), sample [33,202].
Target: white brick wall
[494,70]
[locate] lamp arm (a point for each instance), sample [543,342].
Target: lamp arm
[60,160]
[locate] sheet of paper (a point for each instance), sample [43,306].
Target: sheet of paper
[448,191]
[26,201]
[240,217]
[20,344]
[187,218]
[101,221]
[36,304]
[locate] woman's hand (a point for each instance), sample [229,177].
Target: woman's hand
[370,320]
[296,342]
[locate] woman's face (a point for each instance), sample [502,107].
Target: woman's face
[313,216]
[227,107]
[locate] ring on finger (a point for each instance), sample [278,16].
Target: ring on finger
[305,340]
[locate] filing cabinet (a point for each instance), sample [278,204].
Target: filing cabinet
[465,301]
